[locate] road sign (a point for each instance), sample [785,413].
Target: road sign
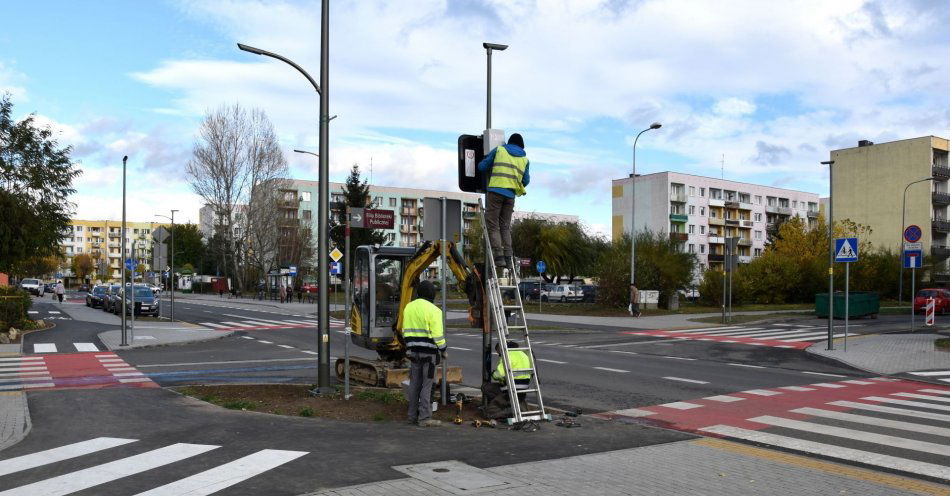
[929,319]
[336,268]
[541,266]
[379,219]
[131,263]
[356,217]
[913,259]
[292,270]
[59,275]
[916,246]
[336,255]
[432,220]
[912,233]
[525,262]
[846,250]
[161,234]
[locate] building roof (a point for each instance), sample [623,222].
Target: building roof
[718,179]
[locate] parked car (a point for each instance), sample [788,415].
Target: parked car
[50,287]
[146,303]
[310,287]
[33,286]
[110,297]
[95,295]
[530,290]
[590,293]
[562,293]
[941,300]
[84,288]
[155,289]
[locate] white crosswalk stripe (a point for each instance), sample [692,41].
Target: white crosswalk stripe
[237,324]
[932,373]
[214,480]
[44,348]
[85,347]
[791,333]
[215,325]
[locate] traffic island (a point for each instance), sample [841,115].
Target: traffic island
[365,404]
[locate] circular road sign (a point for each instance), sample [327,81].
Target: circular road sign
[541,266]
[912,233]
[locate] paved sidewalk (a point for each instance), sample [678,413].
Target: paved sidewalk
[14,418]
[887,353]
[295,307]
[706,466]
[147,336]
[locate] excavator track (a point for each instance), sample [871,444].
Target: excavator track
[378,373]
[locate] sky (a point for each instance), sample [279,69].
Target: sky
[750,90]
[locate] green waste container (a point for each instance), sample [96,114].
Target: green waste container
[860,304]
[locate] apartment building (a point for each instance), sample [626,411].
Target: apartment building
[701,212]
[102,240]
[869,184]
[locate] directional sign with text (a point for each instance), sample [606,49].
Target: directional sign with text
[916,246]
[912,233]
[379,219]
[846,250]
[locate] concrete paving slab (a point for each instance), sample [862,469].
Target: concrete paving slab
[14,418]
[887,353]
[160,336]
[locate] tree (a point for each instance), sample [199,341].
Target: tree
[660,263]
[565,247]
[189,245]
[36,177]
[355,195]
[82,266]
[236,153]
[38,266]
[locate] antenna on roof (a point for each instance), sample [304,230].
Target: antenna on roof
[722,167]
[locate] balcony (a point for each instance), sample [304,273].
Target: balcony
[940,225]
[404,228]
[678,236]
[716,221]
[732,222]
[409,211]
[812,214]
[678,196]
[745,206]
[678,218]
[716,257]
[732,204]
[940,198]
[941,172]
[716,240]
[716,202]
[744,259]
[469,213]
[115,235]
[773,209]
[745,242]
[939,251]
[745,223]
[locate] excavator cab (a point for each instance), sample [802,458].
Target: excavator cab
[377,281]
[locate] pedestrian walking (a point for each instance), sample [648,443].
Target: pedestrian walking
[60,291]
[507,169]
[283,292]
[634,300]
[425,343]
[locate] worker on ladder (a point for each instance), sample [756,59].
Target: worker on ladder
[425,343]
[507,169]
[496,391]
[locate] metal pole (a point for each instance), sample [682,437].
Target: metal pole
[172,275]
[900,248]
[486,321]
[633,217]
[125,340]
[847,292]
[323,328]
[488,94]
[724,288]
[831,257]
[132,296]
[732,254]
[445,363]
[913,291]
[346,310]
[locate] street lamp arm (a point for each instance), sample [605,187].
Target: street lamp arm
[258,51]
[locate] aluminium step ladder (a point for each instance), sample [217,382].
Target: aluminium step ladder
[505,331]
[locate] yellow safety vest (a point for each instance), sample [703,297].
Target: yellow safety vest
[519,360]
[508,171]
[422,327]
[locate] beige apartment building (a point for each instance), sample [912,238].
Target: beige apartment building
[869,184]
[102,240]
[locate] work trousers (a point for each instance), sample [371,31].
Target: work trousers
[421,377]
[498,220]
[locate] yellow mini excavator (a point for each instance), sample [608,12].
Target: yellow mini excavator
[384,278]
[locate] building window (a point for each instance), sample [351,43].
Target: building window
[392,202]
[712,214]
[758,235]
[758,252]
[702,248]
[306,214]
[692,248]
[692,210]
[702,229]
[78,228]
[304,196]
[78,249]
[692,229]
[692,191]
[702,210]
[758,217]
[378,201]
[758,199]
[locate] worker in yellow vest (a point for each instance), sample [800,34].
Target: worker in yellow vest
[495,392]
[507,169]
[425,344]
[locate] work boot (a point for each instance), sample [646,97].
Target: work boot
[430,423]
[501,262]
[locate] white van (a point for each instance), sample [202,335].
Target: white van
[34,286]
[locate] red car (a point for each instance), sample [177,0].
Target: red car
[941,300]
[309,287]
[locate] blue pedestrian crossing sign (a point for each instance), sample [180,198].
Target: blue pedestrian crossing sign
[336,268]
[131,263]
[541,266]
[913,259]
[846,250]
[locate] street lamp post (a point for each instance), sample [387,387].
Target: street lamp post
[633,208]
[125,340]
[323,328]
[489,47]
[171,275]
[900,284]
[831,255]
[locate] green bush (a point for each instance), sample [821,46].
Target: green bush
[14,305]
[660,266]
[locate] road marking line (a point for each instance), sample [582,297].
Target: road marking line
[842,432]
[935,391]
[256,323]
[607,369]
[932,373]
[24,374]
[677,358]
[827,385]
[224,362]
[44,348]
[747,365]
[838,452]
[806,338]
[107,472]
[633,412]
[59,454]
[694,381]
[85,347]
[822,373]
[922,397]
[624,352]
[860,383]
[761,392]
[458,348]
[237,324]
[629,343]
[122,369]
[32,311]
[308,322]
[135,379]
[880,422]
[551,361]
[215,325]
[127,374]
[709,329]
[890,409]
[797,388]
[724,398]
[285,346]
[17,359]
[681,405]
[26,386]
[247,337]
[18,380]
[54,312]
[920,404]
[22,368]
[735,332]
[265,342]
[224,476]
[552,344]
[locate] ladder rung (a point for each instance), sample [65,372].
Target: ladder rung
[515,371]
[519,349]
[523,391]
[507,287]
[516,327]
[532,412]
[512,306]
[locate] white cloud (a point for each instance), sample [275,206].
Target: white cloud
[11,81]
[734,107]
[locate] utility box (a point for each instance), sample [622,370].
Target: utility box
[470,153]
[860,304]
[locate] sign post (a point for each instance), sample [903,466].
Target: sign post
[912,235]
[347,330]
[912,260]
[541,266]
[445,387]
[846,251]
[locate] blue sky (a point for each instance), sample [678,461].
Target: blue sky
[770,87]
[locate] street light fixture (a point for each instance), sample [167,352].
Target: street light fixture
[900,284]
[633,207]
[831,254]
[322,89]
[489,47]
[171,275]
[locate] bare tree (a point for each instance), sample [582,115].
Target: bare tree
[236,153]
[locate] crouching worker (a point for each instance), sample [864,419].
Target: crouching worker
[496,391]
[425,343]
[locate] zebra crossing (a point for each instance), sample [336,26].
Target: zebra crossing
[244,324]
[940,375]
[69,371]
[16,480]
[68,348]
[791,336]
[881,422]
